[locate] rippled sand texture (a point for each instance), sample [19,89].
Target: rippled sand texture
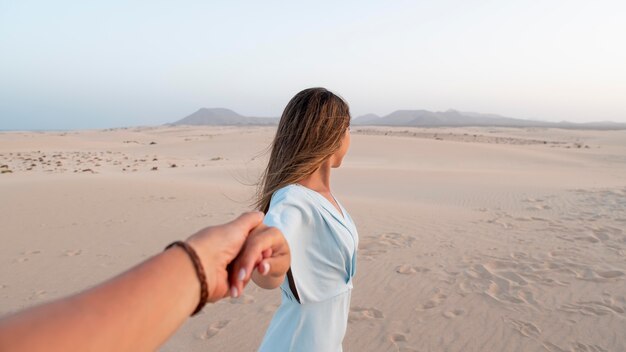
[472,239]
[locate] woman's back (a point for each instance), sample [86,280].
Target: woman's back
[323,243]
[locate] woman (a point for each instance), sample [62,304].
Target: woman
[313,136]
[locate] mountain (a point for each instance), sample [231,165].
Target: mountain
[418,118]
[451,118]
[365,119]
[223,117]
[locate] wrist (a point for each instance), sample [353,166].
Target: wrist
[206,253]
[199,269]
[280,267]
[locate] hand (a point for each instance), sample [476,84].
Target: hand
[217,246]
[265,250]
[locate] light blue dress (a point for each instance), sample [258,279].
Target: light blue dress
[323,245]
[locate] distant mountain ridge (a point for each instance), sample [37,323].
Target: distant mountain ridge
[408,118]
[223,117]
[454,118]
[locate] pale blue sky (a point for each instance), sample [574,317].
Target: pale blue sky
[87,64]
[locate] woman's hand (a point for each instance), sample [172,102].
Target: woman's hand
[217,246]
[265,250]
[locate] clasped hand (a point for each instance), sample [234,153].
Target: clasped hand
[234,252]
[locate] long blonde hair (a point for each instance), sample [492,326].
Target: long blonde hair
[310,130]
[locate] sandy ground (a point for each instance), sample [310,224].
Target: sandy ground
[472,239]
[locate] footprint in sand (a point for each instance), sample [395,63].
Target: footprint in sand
[435,301]
[500,290]
[525,328]
[451,314]
[72,252]
[397,240]
[406,269]
[400,342]
[364,313]
[214,329]
[550,347]
[589,274]
[594,308]
[528,297]
[577,347]
[505,281]
[371,247]
[610,274]
[397,337]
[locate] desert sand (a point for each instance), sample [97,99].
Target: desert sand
[471,239]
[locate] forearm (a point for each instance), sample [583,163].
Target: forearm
[109,317]
[137,310]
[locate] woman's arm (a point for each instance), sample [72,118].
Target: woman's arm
[268,253]
[137,310]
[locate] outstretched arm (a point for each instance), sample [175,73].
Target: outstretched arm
[137,310]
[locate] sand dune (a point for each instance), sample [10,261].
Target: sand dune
[472,239]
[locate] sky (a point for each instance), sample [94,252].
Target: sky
[99,64]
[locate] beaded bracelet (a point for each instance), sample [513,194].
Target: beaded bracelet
[197,264]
